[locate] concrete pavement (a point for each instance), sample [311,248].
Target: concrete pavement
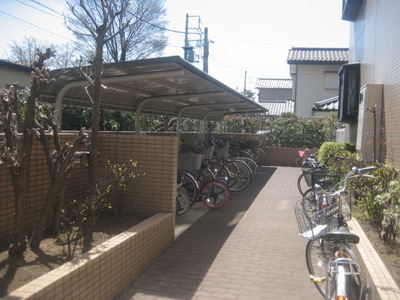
[250,249]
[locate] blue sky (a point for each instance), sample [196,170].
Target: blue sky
[249,37]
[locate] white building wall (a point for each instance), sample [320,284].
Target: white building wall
[375,43]
[9,76]
[314,83]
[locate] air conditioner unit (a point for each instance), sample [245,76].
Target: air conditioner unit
[369,121]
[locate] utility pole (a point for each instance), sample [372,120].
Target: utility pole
[188,50]
[206,50]
[245,82]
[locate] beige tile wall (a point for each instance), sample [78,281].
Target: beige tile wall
[156,156]
[106,270]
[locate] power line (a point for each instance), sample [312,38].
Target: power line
[33,25]
[49,8]
[31,6]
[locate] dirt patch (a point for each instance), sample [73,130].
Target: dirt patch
[17,271]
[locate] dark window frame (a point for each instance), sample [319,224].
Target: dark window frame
[349,92]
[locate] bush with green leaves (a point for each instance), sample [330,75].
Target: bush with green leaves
[376,199]
[389,203]
[292,131]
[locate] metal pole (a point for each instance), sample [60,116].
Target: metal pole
[206,50]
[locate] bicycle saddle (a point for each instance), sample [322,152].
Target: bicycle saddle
[342,234]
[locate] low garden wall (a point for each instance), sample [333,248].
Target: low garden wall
[277,156]
[106,270]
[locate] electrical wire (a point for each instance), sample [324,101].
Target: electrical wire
[33,25]
[58,16]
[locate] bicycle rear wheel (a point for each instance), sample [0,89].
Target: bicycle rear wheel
[317,259]
[319,252]
[215,194]
[299,161]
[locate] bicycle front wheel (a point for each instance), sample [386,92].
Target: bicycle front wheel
[215,194]
[239,175]
[302,185]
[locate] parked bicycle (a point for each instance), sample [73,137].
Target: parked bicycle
[314,173]
[333,266]
[199,183]
[302,159]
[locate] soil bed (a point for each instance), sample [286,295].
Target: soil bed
[17,271]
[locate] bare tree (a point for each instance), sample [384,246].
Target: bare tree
[16,150]
[93,20]
[24,52]
[144,38]
[135,34]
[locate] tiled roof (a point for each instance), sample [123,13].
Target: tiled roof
[330,104]
[271,83]
[318,55]
[277,107]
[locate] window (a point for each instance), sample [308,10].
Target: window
[349,91]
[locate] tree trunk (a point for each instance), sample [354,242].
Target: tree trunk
[38,232]
[94,145]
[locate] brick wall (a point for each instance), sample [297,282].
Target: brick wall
[156,156]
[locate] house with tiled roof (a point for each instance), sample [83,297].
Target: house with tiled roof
[314,73]
[275,95]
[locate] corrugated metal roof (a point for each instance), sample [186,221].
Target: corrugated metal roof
[331,104]
[168,86]
[271,83]
[318,55]
[277,107]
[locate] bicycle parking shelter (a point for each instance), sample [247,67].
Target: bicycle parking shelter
[168,86]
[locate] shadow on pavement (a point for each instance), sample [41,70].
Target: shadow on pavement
[179,271]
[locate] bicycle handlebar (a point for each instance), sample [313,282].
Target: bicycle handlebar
[355,172]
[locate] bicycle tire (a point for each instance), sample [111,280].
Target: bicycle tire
[220,172]
[205,175]
[299,161]
[239,175]
[215,194]
[302,185]
[318,254]
[317,262]
[251,164]
[259,156]
[189,183]
[183,201]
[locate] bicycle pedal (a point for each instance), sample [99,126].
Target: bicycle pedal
[315,278]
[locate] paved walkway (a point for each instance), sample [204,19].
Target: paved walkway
[249,249]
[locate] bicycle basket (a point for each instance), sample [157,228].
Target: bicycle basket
[208,153]
[308,175]
[302,153]
[312,223]
[222,153]
[326,179]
